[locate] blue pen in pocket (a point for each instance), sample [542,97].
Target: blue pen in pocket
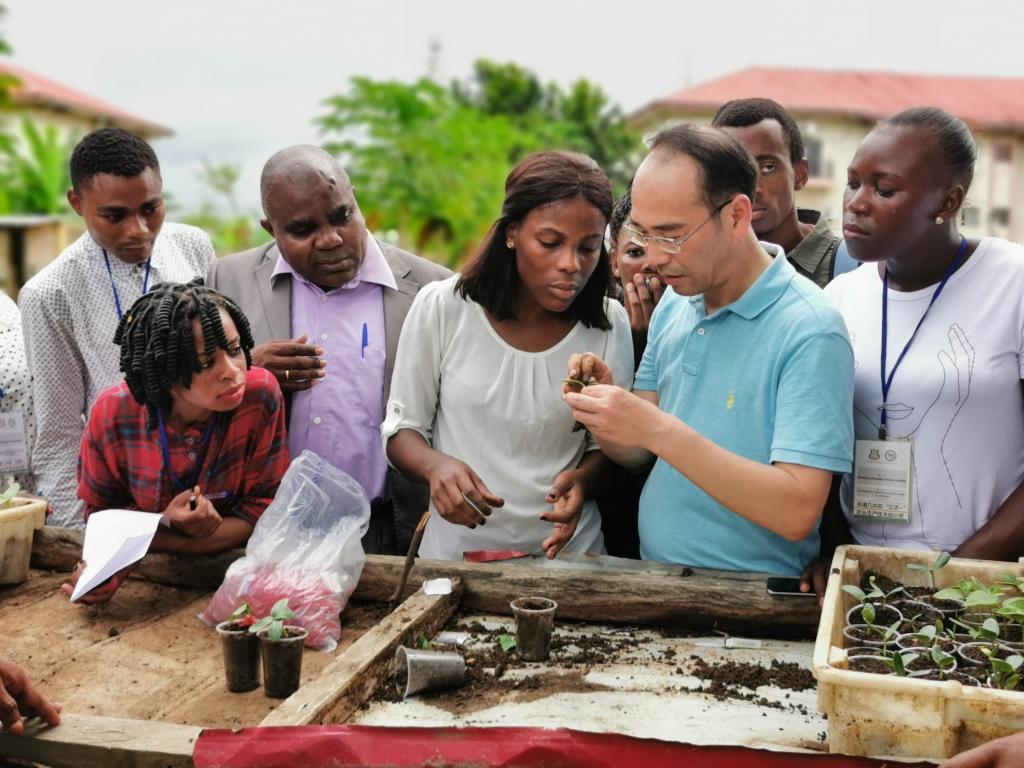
[366,340]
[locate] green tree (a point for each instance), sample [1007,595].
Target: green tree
[429,161]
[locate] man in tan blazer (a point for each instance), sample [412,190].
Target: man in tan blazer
[326,302]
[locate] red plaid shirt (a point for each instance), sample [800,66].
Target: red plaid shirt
[121,465]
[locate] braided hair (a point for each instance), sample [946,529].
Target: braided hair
[158,348]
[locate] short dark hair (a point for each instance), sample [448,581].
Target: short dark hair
[619,215]
[952,135]
[725,166]
[739,113]
[158,349]
[110,150]
[491,278]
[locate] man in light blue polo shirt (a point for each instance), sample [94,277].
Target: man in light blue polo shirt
[744,395]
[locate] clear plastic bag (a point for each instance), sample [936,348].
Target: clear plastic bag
[305,547]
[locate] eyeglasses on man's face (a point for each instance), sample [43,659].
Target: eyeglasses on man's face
[669,245]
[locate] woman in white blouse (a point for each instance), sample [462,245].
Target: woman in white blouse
[476,408]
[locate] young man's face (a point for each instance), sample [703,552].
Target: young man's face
[777,180]
[123,215]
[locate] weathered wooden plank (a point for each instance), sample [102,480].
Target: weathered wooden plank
[733,602]
[354,676]
[104,742]
[700,599]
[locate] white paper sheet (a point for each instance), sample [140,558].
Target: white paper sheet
[114,539]
[437,586]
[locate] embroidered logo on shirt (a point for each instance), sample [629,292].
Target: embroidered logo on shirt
[730,401]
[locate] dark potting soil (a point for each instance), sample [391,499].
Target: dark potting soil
[975,653]
[781,674]
[884,616]
[884,583]
[925,595]
[870,664]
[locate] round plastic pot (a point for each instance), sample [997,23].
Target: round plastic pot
[853,615]
[429,670]
[1002,653]
[861,635]
[850,661]
[241,658]
[535,620]
[282,662]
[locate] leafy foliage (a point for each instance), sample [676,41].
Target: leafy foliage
[274,623]
[34,177]
[507,642]
[430,161]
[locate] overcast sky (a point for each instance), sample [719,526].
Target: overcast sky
[238,80]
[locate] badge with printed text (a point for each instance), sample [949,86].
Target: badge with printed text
[882,474]
[13,448]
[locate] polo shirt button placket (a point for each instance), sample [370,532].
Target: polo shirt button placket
[700,331]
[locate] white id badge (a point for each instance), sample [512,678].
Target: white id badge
[13,447]
[882,472]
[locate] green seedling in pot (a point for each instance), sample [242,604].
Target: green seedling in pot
[900,661]
[966,587]
[944,661]
[931,634]
[940,561]
[1004,673]
[1013,610]
[8,496]
[1008,581]
[988,632]
[274,623]
[242,616]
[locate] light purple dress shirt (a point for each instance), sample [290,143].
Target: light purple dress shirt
[339,418]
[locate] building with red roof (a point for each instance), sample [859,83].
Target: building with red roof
[47,101]
[836,109]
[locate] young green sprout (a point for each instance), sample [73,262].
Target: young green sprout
[274,623]
[1005,673]
[942,660]
[900,661]
[242,616]
[8,496]
[940,561]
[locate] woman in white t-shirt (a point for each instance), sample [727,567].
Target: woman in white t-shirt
[475,407]
[956,395]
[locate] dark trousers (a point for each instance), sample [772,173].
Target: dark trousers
[380,537]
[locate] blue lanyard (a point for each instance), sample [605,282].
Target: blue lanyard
[887,382]
[175,480]
[117,299]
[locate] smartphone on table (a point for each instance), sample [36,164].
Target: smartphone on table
[786,586]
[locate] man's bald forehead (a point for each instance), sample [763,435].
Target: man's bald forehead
[297,164]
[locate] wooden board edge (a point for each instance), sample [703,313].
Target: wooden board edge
[82,741]
[356,673]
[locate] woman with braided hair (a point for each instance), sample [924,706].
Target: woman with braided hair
[193,433]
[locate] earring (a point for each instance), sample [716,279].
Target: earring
[939,220]
[509,244]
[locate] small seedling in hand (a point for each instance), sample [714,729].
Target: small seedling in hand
[940,561]
[578,386]
[8,496]
[242,616]
[507,642]
[274,623]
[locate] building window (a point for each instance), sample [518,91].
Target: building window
[999,217]
[1002,152]
[970,217]
[815,158]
